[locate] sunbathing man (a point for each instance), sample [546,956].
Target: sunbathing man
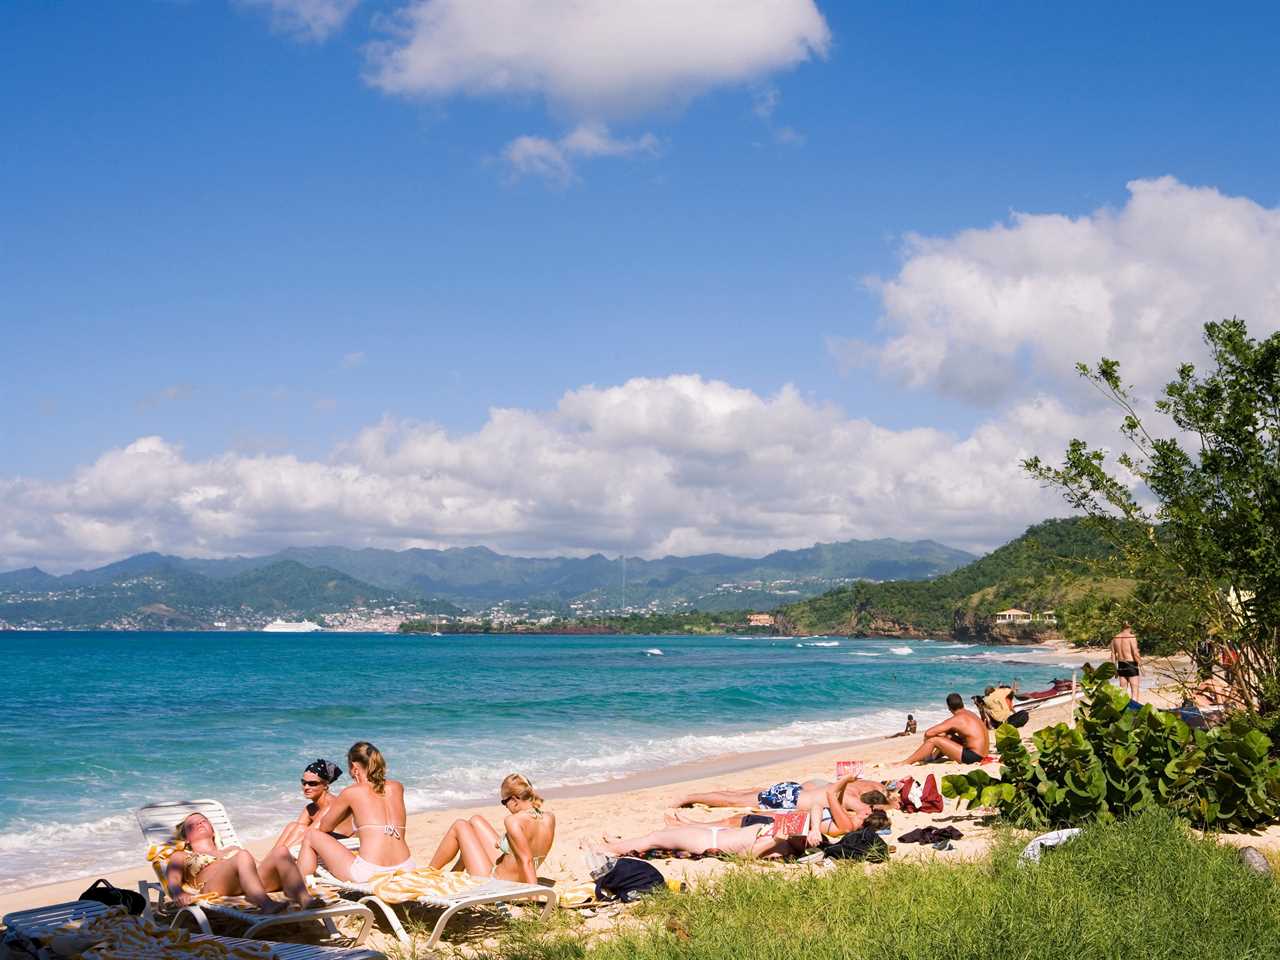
[791,795]
[961,737]
[840,812]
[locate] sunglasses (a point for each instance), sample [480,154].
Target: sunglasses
[312,783]
[507,800]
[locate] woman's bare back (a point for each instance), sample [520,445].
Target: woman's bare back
[379,821]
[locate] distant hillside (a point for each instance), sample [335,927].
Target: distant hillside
[1042,569]
[152,591]
[308,581]
[476,577]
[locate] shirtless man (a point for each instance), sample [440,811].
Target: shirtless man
[962,737]
[1124,652]
[791,795]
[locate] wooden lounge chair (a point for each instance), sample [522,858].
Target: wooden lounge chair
[415,890]
[44,922]
[157,822]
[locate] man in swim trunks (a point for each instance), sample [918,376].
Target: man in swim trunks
[962,737]
[790,795]
[1124,652]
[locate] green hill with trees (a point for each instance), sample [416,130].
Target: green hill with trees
[1056,565]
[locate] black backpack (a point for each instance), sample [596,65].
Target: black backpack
[103,891]
[628,879]
[864,844]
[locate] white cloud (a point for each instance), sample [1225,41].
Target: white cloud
[593,58]
[554,159]
[306,19]
[992,314]
[651,466]
[354,359]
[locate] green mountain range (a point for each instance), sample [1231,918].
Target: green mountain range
[1048,568]
[154,589]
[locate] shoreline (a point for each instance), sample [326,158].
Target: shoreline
[633,803]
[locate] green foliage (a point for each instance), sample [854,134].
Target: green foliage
[1207,557]
[1143,888]
[1035,571]
[1117,763]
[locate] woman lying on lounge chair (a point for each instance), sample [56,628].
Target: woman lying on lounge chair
[376,806]
[316,778]
[528,832]
[231,871]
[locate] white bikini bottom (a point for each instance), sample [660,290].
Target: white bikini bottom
[362,871]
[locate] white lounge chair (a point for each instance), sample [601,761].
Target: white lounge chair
[157,821]
[486,891]
[44,922]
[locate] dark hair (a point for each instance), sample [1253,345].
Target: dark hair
[874,798]
[955,702]
[876,820]
[910,717]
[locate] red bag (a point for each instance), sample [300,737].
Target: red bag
[931,799]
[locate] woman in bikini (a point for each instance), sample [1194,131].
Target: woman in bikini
[516,854]
[316,778]
[376,806]
[231,871]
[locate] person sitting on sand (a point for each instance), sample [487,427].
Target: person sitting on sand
[376,807]
[528,833]
[961,737]
[231,871]
[908,731]
[316,778]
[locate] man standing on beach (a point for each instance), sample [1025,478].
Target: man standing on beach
[1124,652]
[962,737]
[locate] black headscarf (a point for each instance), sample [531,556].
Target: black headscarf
[326,770]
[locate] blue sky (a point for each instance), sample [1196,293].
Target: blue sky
[225,234]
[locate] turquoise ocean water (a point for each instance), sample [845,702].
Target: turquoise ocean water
[96,724]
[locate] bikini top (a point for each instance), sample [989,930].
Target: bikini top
[388,829]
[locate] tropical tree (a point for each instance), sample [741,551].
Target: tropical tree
[1196,514]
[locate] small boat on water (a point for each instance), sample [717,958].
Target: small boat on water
[653,652]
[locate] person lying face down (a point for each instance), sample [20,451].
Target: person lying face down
[961,737]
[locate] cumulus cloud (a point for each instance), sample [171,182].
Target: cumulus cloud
[593,58]
[553,160]
[306,19]
[651,466]
[990,315]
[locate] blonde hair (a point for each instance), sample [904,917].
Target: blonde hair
[368,756]
[518,786]
[180,831]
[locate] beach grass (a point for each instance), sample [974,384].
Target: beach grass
[1145,888]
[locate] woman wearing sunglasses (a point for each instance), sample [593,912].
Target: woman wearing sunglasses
[316,778]
[516,853]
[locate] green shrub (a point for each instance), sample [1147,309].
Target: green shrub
[1142,888]
[1116,763]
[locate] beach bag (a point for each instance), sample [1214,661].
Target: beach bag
[1018,718]
[104,892]
[930,797]
[864,844]
[628,880]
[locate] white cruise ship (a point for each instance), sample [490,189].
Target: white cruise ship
[291,626]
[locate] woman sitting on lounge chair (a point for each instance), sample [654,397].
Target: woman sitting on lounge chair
[528,832]
[376,806]
[231,871]
[315,787]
